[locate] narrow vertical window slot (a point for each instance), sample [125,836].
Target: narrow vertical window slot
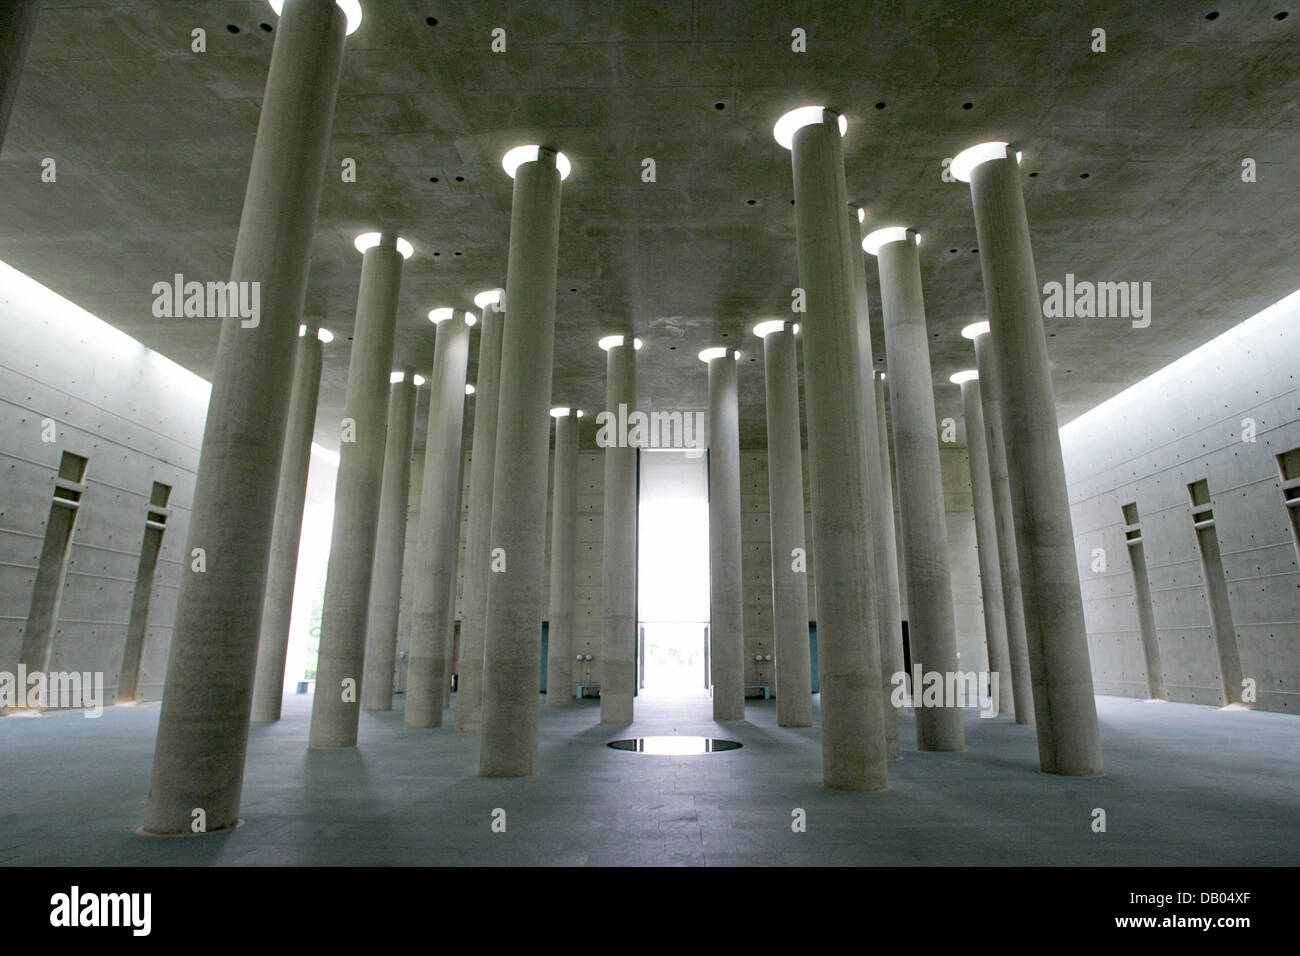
[137,629]
[1146,614]
[52,566]
[1288,465]
[1216,591]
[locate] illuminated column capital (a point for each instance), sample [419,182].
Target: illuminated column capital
[516,157]
[797,119]
[391,240]
[351,11]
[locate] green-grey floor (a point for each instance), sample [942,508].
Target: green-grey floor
[1186,785]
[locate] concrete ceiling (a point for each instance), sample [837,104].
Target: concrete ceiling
[1132,162]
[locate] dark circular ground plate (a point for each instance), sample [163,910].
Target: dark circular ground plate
[675,746]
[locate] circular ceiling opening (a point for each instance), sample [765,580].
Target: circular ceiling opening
[675,746]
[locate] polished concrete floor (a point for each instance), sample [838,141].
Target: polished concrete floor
[1186,785]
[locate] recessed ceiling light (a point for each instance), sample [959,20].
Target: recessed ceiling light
[968,106]
[880,105]
[764,329]
[432,21]
[441,314]
[469,389]
[967,375]
[396,377]
[974,330]
[1212,15]
[709,355]
[232,28]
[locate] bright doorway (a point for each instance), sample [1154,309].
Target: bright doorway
[673,574]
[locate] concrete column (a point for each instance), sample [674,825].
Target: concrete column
[618,623]
[512,660]
[1064,706]
[290,499]
[785,503]
[1008,561]
[726,582]
[17,24]
[390,545]
[449,668]
[433,588]
[888,613]
[469,687]
[340,660]
[203,725]
[854,753]
[931,626]
[888,548]
[564,520]
[986,539]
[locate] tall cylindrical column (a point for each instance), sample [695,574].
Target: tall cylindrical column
[1008,562]
[564,518]
[340,660]
[512,650]
[931,626]
[618,621]
[986,539]
[439,534]
[449,657]
[854,753]
[1068,739]
[390,545]
[203,725]
[469,686]
[888,555]
[726,580]
[888,612]
[789,546]
[17,24]
[290,500]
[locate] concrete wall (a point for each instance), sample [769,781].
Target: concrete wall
[138,418]
[1146,446]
